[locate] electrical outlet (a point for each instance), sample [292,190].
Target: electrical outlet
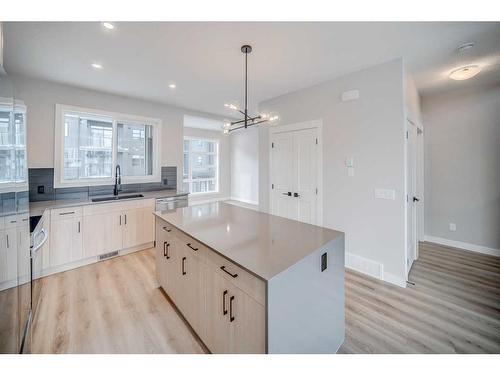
[453,227]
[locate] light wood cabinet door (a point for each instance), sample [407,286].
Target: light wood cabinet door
[218,328]
[133,227]
[8,255]
[66,241]
[148,225]
[247,319]
[103,234]
[173,270]
[160,258]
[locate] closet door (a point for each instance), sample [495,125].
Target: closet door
[305,175]
[282,175]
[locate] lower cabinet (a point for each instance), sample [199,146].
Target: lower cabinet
[224,316]
[66,237]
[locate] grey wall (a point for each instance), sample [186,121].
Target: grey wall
[41,97]
[244,145]
[371,130]
[462,165]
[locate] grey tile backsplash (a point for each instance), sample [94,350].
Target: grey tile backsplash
[41,185]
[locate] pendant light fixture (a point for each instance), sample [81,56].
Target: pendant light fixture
[247,120]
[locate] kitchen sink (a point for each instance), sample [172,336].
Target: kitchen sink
[117,197]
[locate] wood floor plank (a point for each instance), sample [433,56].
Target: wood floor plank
[115,306]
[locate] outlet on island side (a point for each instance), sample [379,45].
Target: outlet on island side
[453,227]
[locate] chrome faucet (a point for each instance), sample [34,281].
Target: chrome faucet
[118,180]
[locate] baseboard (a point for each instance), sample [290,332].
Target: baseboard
[255,203]
[364,265]
[463,245]
[393,279]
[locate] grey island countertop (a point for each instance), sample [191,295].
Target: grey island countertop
[37,208]
[261,243]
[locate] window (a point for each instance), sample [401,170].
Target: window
[200,170]
[13,166]
[91,143]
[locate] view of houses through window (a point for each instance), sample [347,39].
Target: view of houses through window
[12,143]
[200,170]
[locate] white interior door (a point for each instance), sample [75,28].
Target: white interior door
[412,200]
[294,175]
[282,172]
[305,171]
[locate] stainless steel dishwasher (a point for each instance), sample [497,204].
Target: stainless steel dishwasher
[171,203]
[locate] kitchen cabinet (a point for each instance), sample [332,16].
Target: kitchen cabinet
[102,234]
[224,316]
[265,284]
[133,227]
[66,236]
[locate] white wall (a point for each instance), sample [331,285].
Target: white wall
[41,97]
[244,145]
[371,130]
[462,166]
[224,163]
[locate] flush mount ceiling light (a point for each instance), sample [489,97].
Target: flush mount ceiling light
[96,66]
[172,86]
[108,25]
[247,120]
[465,72]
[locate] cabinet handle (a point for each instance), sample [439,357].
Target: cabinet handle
[165,250]
[234,275]
[231,316]
[184,266]
[166,229]
[125,219]
[120,219]
[78,227]
[191,247]
[8,241]
[288,194]
[224,310]
[67,213]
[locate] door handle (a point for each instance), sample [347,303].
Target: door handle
[120,219]
[233,275]
[296,195]
[415,199]
[79,226]
[224,310]
[166,246]
[288,194]
[184,266]
[125,219]
[191,247]
[231,316]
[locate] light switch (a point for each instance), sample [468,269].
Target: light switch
[453,227]
[385,194]
[349,162]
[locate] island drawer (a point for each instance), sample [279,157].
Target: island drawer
[185,241]
[244,280]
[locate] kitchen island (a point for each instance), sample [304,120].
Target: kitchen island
[250,282]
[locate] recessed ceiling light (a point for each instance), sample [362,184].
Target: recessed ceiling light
[465,72]
[96,66]
[172,85]
[108,25]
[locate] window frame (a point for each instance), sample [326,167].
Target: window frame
[190,174]
[62,110]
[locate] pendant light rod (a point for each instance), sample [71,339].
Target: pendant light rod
[247,120]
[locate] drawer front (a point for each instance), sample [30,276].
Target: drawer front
[185,242]
[253,286]
[65,213]
[102,208]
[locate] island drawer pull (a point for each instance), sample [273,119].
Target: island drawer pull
[166,246]
[224,310]
[166,229]
[184,266]
[234,275]
[191,247]
[67,213]
[231,316]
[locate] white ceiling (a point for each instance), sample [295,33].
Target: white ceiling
[202,123]
[204,59]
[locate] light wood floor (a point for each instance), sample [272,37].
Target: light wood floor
[114,307]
